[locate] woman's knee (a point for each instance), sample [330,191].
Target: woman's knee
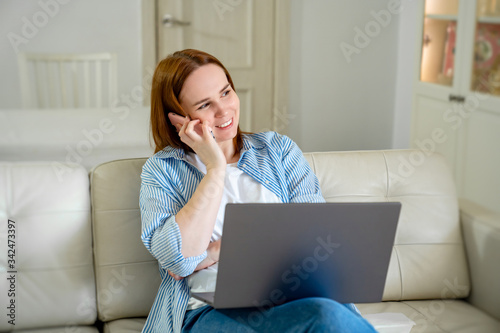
[323,308]
[326,315]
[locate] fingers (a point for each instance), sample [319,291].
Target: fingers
[194,130]
[213,250]
[183,126]
[175,276]
[191,128]
[198,136]
[207,131]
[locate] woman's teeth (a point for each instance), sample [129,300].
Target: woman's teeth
[226,124]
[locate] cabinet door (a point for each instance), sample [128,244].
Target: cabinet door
[436,99]
[439,42]
[478,155]
[481,82]
[456,105]
[485,69]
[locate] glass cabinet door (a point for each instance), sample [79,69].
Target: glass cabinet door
[439,38]
[486,66]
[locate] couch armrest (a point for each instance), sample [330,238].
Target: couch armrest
[481,231]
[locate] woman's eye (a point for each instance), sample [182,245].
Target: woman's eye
[225,93]
[203,106]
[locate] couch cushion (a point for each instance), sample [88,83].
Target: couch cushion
[127,276]
[50,209]
[438,316]
[428,257]
[133,325]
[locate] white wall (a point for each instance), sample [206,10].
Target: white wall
[340,102]
[406,70]
[69,26]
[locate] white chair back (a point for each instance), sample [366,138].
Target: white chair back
[68,80]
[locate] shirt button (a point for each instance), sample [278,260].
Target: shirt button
[243,165]
[267,181]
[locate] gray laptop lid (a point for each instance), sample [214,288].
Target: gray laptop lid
[275,253]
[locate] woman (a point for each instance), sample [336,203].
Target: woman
[202,161]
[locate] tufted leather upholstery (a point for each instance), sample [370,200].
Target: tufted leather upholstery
[428,251]
[428,269]
[126,274]
[55,278]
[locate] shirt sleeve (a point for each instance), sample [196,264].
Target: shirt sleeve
[302,183]
[159,202]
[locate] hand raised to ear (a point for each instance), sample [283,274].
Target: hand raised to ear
[176,119]
[199,137]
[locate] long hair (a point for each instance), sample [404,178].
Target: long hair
[168,79]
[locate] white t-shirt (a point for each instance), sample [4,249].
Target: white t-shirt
[238,188]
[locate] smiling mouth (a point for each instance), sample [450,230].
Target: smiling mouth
[226,124]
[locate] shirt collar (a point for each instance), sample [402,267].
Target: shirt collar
[250,142]
[171,152]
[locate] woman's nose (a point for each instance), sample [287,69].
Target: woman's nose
[220,110]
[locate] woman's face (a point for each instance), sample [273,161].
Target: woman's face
[208,96]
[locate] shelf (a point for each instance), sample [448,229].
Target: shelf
[489,19]
[442,17]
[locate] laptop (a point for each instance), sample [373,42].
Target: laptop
[274,253]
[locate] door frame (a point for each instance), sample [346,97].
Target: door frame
[281,57]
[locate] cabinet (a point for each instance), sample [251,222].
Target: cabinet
[456,99]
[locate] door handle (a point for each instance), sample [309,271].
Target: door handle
[456,98]
[169,21]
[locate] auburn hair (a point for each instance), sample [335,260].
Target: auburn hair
[168,79]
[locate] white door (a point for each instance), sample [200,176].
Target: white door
[240,33]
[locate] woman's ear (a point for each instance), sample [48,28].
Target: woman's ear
[176,120]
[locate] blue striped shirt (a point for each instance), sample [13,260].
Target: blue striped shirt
[169,181]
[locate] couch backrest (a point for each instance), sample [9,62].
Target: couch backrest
[127,276]
[428,259]
[46,247]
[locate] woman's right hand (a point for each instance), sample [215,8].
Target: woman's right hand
[199,137]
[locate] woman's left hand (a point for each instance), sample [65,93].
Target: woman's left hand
[213,252]
[175,276]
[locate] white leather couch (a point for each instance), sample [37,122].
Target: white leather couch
[80,265]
